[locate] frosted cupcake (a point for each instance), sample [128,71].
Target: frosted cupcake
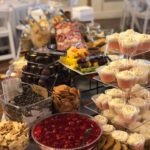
[108,114]
[126,79]
[102,101]
[116,104]
[112,41]
[119,122]
[136,141]
[141,73]
[107,74]
[140,103]
[101,120]
[136,88]
[108,129]
[115,93]
[143,93]
[129,113]
[119,135]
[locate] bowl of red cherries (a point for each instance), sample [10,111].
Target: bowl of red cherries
[67,131]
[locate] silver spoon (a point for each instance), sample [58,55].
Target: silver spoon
[86,134]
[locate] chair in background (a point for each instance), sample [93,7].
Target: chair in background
[132,9]
[6,32]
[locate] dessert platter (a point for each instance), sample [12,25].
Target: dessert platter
[42,107]
[83,62]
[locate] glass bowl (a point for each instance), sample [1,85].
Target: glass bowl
[67,131]
[28,113]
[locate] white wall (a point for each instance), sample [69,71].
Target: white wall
[104,9]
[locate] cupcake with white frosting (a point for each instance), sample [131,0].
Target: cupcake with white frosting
[108,114]
[101,120]
[129,113]
[119,122]
[102,101]
[108,129]
[116,104]
[140,103]
[136,141]
[119,135]
[142,74]
[126,79]
[115,93]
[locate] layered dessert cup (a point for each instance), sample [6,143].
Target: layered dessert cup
[144,44]
[112,41]
[126,79]
[107,74]
[128,46]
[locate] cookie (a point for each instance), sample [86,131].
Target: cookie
[109,143]
[124,147]
[117,145]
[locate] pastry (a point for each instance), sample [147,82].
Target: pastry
[117,145]
[136,141]
[126,79]
[143,93]
[101,120]
[140,103]
[124,147]
[141,73]
[108,114]
[107,129]
[129,113]
[13,135]
[109,143]
[115,93]
[116,104]
[65,98]
[122,64]
[102,101]
[107,74]
[119,122]
[120,135]
[136,88]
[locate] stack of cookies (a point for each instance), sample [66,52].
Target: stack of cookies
[65,98]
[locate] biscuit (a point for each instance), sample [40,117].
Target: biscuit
[109,143]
